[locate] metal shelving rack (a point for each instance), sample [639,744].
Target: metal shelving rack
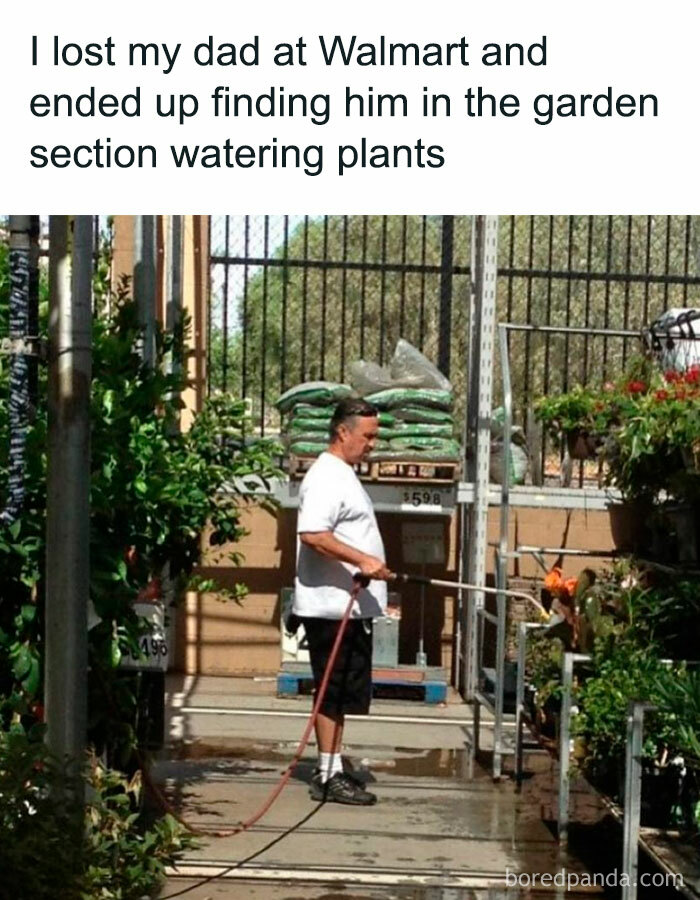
[495,703]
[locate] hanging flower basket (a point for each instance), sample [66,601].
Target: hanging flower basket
[581,444]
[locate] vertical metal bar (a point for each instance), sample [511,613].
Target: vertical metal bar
[548,336]
[402,300]
[483,317]
[686,258]
[145,283]
[564,748]
[564,742]
[285,281]
[363,287]
[520,703]
[446,272]
[304,299]
[569,265]
[225,310]
[633,799]
[324,289]
[423,256]
[501,609]
[647,268]
[68,490]
[502,551]
[628,269]
[587,317]
[528,314]
[606,315]
[263,334]
[246,257]
[343,298]
[212,279]
[511,265]
[173,304]
[667,258]
[382,293]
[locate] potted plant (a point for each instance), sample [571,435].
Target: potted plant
[572,415]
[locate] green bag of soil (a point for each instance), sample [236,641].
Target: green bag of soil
[317,393]
[421,429]
[393,398]
[298,425]
[314,448]
[427,445]
[307,411]
[307,448]
[418,456]
[321,417]
[418,414]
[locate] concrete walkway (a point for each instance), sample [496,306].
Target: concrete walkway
[433,835]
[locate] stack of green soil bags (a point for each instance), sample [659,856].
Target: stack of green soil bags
[424,428]
[306,414]
[307,410]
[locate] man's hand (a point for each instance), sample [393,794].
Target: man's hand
[374,568]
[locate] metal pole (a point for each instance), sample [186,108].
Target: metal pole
[446,272]
[483,318]
[564,742]
[145,283]
[564,748]
[633,798]
[68,508]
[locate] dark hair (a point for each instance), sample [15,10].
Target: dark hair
[348,409]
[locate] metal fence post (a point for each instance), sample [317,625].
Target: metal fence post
[482,330]
[564,742]
[633,798]
[68,488]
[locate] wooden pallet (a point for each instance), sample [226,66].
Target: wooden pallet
[412,471]
[428,685]
[396,471]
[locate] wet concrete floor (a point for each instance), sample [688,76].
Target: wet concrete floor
[433,835]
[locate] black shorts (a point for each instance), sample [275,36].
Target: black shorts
[350,685]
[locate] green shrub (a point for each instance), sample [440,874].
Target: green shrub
[53,849]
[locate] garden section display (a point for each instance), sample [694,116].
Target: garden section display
[640,626]
[645,429]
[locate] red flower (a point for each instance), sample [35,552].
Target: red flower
[636,387]
[692,376]
[661,395]
[672,377]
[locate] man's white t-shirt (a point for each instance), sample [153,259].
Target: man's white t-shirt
[332,498]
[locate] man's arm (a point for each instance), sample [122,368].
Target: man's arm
[327,544]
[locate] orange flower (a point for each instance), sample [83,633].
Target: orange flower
[570,586]
[555,584]
[553,580]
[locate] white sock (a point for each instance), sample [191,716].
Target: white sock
[329,764]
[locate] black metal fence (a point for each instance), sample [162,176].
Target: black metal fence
[297,298]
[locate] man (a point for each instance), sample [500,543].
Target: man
[339,537]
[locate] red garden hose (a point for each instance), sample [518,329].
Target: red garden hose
[359,582]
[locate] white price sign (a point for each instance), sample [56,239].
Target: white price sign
[426,499]
[153,646]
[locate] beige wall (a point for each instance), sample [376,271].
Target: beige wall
[223,638]
[195,290]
